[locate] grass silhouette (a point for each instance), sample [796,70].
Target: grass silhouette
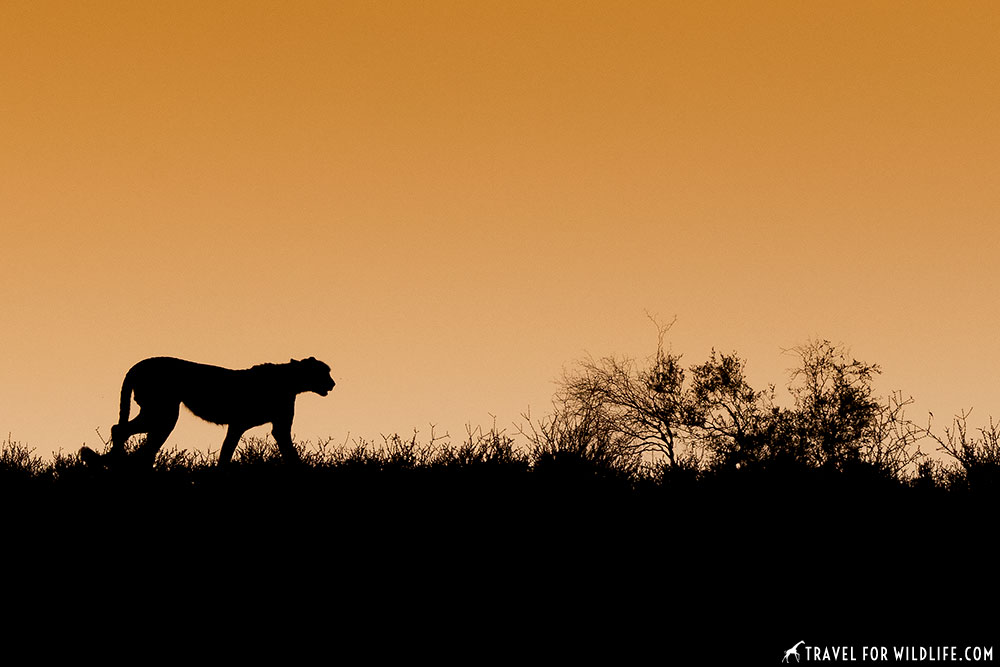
[492,482]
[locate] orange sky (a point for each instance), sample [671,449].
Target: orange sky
[450,201]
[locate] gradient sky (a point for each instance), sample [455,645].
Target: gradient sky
[451,201]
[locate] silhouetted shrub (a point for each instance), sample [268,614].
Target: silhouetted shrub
[712,416]
[19,463]
[977,456]
[581,438]
[725,417]
[489,448]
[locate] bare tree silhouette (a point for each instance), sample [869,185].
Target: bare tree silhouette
[645,404]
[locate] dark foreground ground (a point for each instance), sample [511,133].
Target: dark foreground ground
[487,562]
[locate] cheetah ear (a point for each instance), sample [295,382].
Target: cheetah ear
[292,361]
[311,359]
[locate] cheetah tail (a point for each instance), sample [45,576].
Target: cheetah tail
[126,400]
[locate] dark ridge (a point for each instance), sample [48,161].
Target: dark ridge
[552,554]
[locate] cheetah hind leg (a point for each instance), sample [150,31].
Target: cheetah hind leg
[91,458]
[97,460]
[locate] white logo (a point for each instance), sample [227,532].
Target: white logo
[793,651]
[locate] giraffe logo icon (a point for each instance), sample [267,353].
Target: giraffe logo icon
[793,651]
